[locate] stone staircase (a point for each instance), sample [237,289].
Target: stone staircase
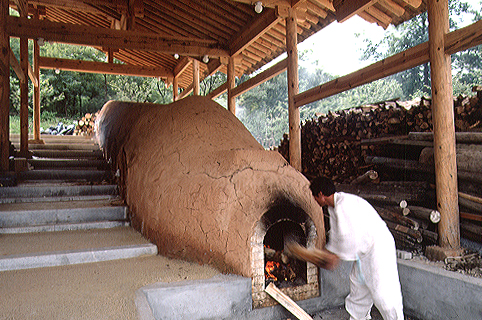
[65,209]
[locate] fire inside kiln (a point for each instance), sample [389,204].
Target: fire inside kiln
[271,264]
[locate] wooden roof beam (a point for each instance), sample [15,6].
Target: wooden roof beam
[413,3]
[345,9]
[91,36]
[265,21]
[182,66]
[393,7]
[383,20]
[71,4]
[311,7]
[104,68]
[15,64]
[22,7]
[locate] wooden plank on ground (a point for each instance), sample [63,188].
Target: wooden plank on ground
[286,302]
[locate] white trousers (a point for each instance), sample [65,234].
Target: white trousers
[374,280]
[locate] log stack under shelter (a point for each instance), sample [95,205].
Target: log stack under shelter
[384,153]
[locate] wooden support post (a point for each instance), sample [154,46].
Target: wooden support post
[4,88]
[443,126]
[195,76]
[175,89]
[36,91]
[24,97]
[231,84]
[110,55]
[293,90]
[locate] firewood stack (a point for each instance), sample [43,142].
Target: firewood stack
[85,126]
[393,139]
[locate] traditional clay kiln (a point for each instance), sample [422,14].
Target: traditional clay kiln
[203,189]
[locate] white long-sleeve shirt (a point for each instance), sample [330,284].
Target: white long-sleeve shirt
[354,226]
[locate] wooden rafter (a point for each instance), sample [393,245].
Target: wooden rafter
[182,66]
[346,9]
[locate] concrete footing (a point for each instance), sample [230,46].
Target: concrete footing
[429,293]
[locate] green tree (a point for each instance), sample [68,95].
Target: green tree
[467,66]
[264,110]
[210,83]
[416,81]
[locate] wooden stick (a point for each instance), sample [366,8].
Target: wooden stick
[415,234]
[388,214]
[470,216]
[425,213]
[369,176]
[286,302]
[472,205]
[470,197]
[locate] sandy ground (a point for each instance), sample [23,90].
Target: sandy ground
[103,290]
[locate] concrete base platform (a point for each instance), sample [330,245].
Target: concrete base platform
[429,292]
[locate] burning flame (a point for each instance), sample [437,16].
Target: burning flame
[270,266]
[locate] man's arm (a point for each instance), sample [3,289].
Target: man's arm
[322,258]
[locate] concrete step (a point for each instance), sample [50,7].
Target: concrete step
[62,258]
[36,250]
[66,175]
[41,192]
[59,146]
[61,198]
[43,163]
[65,227]
[47,139]
[68,154]
[33,216]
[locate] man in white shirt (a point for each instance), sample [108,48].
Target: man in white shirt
[358,234]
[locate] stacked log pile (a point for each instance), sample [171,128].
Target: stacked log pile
[393,139]
[85,126]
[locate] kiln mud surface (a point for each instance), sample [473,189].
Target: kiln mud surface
[197,182]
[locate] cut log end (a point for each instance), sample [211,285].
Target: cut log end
[435,216]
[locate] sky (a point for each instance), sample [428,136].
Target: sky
[338,50]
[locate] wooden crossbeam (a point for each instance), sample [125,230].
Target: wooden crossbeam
[102,37]
[104,68]
[260,78]
[455,41]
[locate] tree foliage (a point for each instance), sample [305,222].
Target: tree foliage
[416,81]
